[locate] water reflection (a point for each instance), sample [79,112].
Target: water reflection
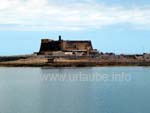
[23,90]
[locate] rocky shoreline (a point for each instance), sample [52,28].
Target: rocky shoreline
[76,61]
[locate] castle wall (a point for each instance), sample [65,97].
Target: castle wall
[48,46]
[77,45]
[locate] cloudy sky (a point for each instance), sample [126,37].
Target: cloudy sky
[120,26]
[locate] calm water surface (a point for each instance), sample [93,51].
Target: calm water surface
[36,90]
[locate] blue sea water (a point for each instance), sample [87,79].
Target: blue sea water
[75,90]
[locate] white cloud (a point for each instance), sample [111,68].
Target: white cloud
[55,15]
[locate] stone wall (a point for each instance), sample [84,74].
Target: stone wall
[48,45]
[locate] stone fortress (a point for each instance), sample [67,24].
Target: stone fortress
[62,47]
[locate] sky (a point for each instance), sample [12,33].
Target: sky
[119,26]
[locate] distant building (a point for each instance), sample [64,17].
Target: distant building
[66,47]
